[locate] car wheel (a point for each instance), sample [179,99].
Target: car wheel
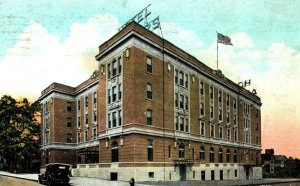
[49,181]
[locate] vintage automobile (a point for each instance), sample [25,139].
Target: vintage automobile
[56,173]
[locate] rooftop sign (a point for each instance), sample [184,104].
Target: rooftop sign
[142,19]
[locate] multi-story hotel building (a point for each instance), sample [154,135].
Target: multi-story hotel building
[153,112]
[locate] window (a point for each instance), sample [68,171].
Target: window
[181,124]
[202,153]
[95,115]
[186,81]
[234,120]
[220,114]
[119,65]
[94,132]
[109,120]
[109,71]
[228,155]
[235,156]
[176,100]
[211,112]
[212,130]
[220,131]
[227,117]
[114,68]
[47,138]
[228,133]
[169,151]
[235,173]
[86,119]
[181,150]
[202,128]
[220,155]
[193,153]
[78,121]
[176,76]
[86,101]
[78,105]
[151,174]
[234,103]
[181,101]
[181,77]
[85,136]
[235,135]
[227,100]
[114,152]
[69,122]
[149,91]
[69,107]
[186,125]
[120,92]
[186,103]
[211,155]
[95,99]
[194,174]
[203,175]
[176,123]
[150,149]
[220,97]
[109,96]
[211,92]
[201,109]
[149,65]
[78,137]
[114,94]
[201,88]
[69,138]
[149,117]
[114,119]
[120,117]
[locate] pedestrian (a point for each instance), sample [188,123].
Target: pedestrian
[131,182]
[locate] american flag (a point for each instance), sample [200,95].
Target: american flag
[224,39]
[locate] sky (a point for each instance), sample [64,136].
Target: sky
[56,41]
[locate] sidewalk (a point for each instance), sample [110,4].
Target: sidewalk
[31,177]
[82,181]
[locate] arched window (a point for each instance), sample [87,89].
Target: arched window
[181,150]
[202,153]
[211,155]
[228,155]
[114,152]
[220,155]
[235,156]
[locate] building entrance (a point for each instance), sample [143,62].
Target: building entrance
[182,172]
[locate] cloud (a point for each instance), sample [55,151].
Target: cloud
[40,58]
[241,40]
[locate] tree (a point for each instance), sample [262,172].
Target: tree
[19,131]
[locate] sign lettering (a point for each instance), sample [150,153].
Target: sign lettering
[142,18]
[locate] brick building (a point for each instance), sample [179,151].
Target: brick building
[153,112]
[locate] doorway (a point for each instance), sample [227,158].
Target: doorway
[182,172]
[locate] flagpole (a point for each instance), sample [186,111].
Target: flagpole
[217,55]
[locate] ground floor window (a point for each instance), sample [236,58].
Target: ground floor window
[151,174]
[113,176]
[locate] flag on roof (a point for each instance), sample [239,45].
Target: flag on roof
[224,39]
